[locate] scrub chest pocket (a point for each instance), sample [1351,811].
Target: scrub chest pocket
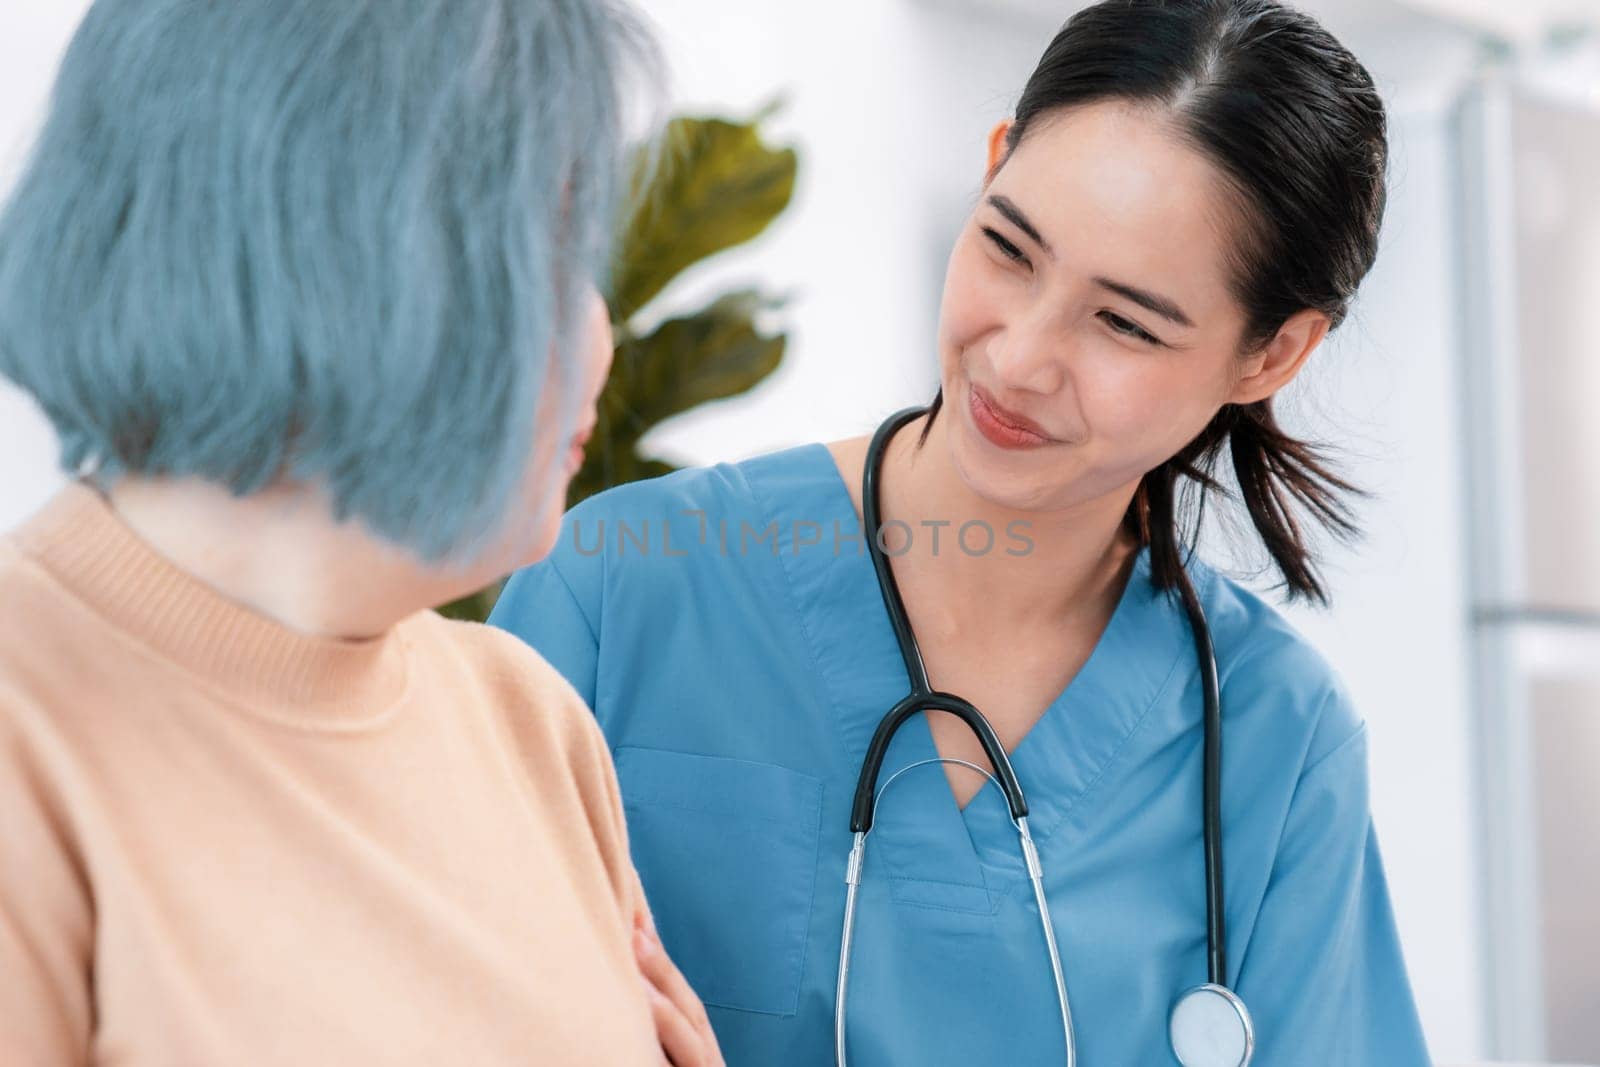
[727,852]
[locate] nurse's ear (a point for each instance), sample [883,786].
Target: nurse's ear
[997,149]
[1275,365]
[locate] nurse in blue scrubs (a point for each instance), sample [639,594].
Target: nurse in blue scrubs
[1180,210]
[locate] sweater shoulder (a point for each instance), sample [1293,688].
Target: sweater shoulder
[515,680]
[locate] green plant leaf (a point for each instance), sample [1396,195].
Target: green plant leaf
[474,607]
[713,354]
[716,185]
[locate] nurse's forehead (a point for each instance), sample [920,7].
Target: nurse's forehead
[1107,186]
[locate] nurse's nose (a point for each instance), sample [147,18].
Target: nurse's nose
[1026,356]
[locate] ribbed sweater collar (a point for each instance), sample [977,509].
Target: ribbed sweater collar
[273,670]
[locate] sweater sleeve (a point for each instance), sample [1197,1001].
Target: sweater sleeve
[46,917]
[611,826]
[554,606]
[557,615]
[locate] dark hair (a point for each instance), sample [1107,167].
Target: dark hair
[1297,130]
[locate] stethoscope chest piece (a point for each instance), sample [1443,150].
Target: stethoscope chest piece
[1210,1027]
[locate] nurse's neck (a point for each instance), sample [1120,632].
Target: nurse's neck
[1051,569]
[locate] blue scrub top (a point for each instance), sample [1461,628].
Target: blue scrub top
[726,626]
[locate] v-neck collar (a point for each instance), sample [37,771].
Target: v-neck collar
[1145,651]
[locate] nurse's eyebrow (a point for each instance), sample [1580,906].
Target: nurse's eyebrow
[1020,221]
[1153,302]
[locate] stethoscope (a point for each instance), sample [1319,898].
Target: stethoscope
[1208,1025]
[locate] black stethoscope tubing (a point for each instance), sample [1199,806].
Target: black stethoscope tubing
[923,696]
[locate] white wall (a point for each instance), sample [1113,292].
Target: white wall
[889,103]
[33,34]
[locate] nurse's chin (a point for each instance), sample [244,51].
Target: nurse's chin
[1003,489]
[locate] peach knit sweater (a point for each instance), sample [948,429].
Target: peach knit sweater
[224,843]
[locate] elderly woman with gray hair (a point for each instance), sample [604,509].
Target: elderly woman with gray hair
[308,291]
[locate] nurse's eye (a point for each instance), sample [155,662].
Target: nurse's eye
[1129,329]
[1007,249]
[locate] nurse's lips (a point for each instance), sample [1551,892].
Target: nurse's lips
[1004,428]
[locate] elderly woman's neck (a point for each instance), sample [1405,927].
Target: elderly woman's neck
[281,554]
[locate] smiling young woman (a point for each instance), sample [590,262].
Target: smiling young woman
[1178,213]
